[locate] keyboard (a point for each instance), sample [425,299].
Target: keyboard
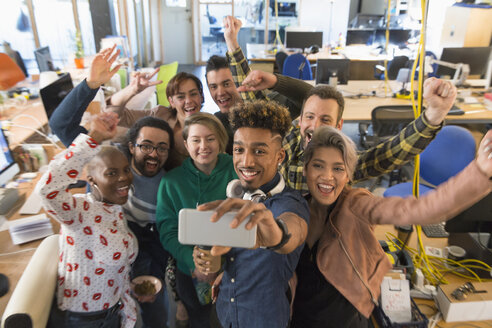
[455,110]
[435,231]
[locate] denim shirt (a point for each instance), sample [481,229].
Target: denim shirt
[255,281]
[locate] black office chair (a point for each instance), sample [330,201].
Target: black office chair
[280,58]
[386,121]
[394,67]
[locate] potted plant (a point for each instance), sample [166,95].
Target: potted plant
[79,53]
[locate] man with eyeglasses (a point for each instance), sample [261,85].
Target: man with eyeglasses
[147,145]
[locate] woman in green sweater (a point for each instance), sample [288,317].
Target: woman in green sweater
[203,177]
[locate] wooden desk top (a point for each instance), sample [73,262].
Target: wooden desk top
[428,307]
[359,109]
[31,116]
[13,264]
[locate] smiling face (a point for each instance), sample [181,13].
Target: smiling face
[326,175]
[256,155]
[113,177]
[149,164]
[203,146]
[187,100]
[222,89]
[318,112]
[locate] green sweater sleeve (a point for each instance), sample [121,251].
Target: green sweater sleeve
[167,225]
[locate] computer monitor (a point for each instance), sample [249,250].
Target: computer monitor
[326,68]
[8,167]
[396,37]
[360,37]
[53,94]
[302,39]
[285,9]
[44,60]
[476,57]
[477,218]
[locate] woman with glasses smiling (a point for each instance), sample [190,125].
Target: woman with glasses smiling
[202,178]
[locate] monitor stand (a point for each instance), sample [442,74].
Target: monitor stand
[477,246]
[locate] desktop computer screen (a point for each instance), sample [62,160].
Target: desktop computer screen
[396,37]
[285,9]
[298,39]
[44,60]
[477,218]
[53,94]
[476,57]
[8,167]
[326,68]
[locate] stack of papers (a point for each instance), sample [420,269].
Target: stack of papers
[30,228]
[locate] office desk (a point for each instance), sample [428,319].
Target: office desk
[359,109]
[362,58]
[13,265]
[30,117]
[426,306]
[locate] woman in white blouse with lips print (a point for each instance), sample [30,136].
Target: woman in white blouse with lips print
[96,247]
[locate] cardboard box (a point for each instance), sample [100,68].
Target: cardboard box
[475,307]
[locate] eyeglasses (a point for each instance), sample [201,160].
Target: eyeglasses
[461,293]
[148,149]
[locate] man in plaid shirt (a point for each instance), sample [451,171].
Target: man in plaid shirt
[324,106]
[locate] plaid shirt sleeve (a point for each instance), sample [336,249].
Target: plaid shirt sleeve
[293,165]
[239,67]
[396,151]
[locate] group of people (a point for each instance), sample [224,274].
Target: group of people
[317,262]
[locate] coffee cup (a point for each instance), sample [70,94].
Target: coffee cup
[455,253]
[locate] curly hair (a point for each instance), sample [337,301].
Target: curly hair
[261,114]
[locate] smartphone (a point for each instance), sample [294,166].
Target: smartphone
[195,228]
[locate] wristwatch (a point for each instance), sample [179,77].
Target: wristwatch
[285,235]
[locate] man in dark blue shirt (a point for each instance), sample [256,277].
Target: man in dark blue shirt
[254,287]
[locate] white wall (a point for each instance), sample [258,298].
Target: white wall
[435,21]
[317,14]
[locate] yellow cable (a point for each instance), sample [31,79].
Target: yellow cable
[386,80]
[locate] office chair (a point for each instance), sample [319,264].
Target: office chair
[449,153]
[297,66]
[394,66]
[280,58]
[30,303]
[10,72]
[386,121]
[165,74]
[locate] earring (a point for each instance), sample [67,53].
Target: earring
[96,188]
[279,166]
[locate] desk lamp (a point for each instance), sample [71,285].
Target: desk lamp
[460,74]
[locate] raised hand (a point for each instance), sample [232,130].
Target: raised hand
[103,126]
[100,71]
[258,80]
[484,154]
[440,96]
[140,81]
[232,26]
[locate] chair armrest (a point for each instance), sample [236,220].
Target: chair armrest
[35,290]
